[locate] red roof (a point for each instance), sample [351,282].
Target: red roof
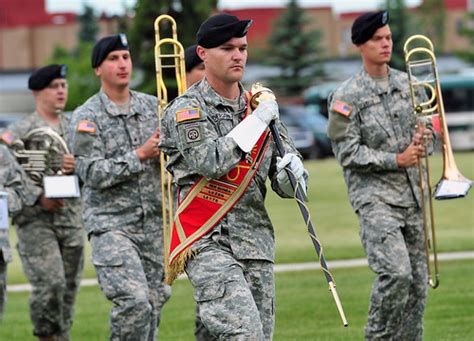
[455,4]
[30,13]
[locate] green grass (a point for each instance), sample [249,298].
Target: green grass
[305,309]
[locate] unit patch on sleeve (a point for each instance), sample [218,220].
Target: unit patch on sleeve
[192,133]
[187,114]
[85,126]
[342,108]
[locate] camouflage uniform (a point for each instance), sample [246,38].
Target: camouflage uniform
[51,248]
[122,210]
[20,192]
[232,270]
[387,199]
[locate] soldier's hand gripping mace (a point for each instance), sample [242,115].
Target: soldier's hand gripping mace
[260,93]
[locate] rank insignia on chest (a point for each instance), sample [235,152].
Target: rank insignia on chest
[7,137]
[187,114]
[342,108]
[86,127]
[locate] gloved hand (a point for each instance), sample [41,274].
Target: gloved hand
[267,111]
[296,167]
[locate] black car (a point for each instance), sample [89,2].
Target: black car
[308,118]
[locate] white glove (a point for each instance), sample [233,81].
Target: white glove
[267,111]
[295,165]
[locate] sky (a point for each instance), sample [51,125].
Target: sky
[116,6]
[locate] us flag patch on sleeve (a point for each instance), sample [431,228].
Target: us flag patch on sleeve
[86,127]
[342,107]
[7,137]
[187,114]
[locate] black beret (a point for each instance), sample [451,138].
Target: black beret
[365,26]
[220,28]
[41,77]
[191,58]
[106,45]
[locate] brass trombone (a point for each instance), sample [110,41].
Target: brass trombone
[167,60]
[423,77]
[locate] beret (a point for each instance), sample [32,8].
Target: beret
[41,77]
[220,28]
[106,45]
[365,26]
[191,58]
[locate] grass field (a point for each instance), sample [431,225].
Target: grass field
[305,309]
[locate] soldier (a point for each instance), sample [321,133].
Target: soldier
[195,73]
[220,157]
[115,140]
[373,135]
[50,233]
[18,191]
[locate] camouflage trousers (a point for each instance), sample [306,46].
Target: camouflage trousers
[235,298]
[394,244]
[5,258]
[53,260]
[3,286]
[130,272]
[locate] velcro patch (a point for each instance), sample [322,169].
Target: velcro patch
[7,137]
[342,108]
[187,114]
[193,133]
[85,126]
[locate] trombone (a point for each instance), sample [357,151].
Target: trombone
[423,77]
[167,60]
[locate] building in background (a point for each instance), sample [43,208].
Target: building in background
[29,35]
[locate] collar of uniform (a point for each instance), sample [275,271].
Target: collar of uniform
[370,83]
[394,81]
[212,98]
[110,107]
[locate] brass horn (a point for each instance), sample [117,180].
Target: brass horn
[40,153]
[169,54]
[423,77]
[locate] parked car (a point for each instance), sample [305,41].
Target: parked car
[302,138]
[317,95]
[308,118]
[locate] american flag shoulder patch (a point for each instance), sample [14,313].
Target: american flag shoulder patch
[85,126]
[7,137]
[187,114]
[342,108]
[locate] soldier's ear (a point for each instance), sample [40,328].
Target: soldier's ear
[201,52]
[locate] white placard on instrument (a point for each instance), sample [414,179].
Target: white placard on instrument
[450,189]
[64,186]
[3,210]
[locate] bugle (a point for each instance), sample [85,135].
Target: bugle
[427,103]
[169,54]
[258,93]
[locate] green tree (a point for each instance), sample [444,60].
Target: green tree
[88,25]
[399,21]
[467,31]
[81,78]
[295,49]
[188,14]
[433,21]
